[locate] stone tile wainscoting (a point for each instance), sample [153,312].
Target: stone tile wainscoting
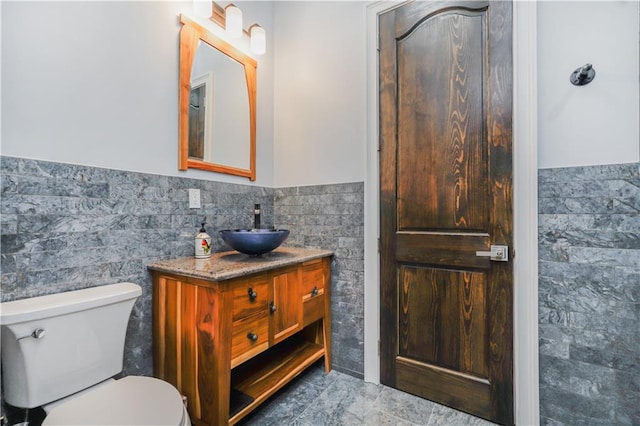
[332,216]
[66,227]
[589,295]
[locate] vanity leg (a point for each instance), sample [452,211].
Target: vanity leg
[214,361]
[326,321]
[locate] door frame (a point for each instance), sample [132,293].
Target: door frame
[525,184]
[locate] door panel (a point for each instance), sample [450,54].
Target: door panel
[440,98]
[442,318]
[445,193]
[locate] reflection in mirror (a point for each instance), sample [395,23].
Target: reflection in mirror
[218,117]
[217,104]
[200,114]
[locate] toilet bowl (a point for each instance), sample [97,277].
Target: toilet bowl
[132,400]
[61,352]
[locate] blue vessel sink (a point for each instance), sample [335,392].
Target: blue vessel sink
[254,241]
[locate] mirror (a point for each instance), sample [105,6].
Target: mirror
[217,121]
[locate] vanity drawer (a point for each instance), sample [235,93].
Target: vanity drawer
[312,277]
[250,296]
[250,337]
[312,308]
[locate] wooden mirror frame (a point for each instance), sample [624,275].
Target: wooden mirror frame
[190,34]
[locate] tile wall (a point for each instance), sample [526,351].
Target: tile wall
[332,216]
[589,295]
[68,227]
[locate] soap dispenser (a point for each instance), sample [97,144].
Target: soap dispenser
[203,244]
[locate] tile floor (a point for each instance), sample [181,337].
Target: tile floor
[316,398]
[336,399]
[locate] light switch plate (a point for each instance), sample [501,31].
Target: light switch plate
[194,198]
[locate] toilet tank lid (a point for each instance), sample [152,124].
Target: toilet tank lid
[52,305]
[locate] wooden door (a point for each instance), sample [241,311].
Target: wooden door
[197,106]
[446,193]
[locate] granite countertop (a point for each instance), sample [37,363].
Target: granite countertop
[232,264]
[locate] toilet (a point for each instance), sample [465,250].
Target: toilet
[61,351]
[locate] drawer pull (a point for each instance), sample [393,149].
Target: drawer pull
[272,308]
[252,336]
[252,294]
[314,292]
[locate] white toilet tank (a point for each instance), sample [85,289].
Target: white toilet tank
[56,345]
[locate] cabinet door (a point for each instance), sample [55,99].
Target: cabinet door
[286,305]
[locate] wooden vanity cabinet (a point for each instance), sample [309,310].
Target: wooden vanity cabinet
[221,341]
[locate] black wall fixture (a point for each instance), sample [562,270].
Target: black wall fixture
[583,75]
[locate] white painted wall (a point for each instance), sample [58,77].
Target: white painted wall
[597,123]
[96,83]
[320,92]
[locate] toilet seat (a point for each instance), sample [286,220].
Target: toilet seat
[132,400]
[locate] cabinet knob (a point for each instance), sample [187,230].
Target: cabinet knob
[314,292]
[272,307]
[252,294]
[252,336]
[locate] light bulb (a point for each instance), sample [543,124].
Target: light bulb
[233,21]
[258,39]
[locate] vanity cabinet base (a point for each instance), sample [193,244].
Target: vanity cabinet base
[222,351]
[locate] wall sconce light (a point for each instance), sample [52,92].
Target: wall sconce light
[258,39]
[233,21]
[230,18]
